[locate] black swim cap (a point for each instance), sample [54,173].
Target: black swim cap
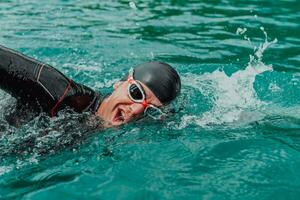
[160,78]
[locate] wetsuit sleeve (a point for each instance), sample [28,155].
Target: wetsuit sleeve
[41,85]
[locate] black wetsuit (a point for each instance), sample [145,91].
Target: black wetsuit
[42,87]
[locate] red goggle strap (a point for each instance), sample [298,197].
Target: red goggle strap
[145,104]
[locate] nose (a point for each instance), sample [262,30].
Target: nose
[136,109]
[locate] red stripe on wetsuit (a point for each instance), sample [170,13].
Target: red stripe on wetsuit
[37,71]
[53,110]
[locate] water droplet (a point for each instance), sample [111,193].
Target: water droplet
[132,5]
[240,31]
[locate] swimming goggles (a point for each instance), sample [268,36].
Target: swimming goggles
[137,94]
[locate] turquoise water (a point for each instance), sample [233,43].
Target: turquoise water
[238,136]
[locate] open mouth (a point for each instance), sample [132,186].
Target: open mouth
[119,116]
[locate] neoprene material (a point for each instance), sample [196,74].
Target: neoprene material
[161,78]
[42,86]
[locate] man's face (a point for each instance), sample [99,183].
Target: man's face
[118,108]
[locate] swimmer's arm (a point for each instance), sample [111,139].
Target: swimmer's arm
[18,77]
[41,85]
[81,98]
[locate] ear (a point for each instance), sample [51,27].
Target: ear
[117,84]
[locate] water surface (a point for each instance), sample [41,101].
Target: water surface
[238,136]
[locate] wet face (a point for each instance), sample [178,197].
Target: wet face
[118,108]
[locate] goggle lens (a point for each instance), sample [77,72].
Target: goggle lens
[154,112]
[135,92]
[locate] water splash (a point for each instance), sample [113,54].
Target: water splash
[258,51]
[231,95]
[44,136]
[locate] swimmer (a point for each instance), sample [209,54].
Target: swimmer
[143,92]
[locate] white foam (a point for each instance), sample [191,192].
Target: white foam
[231,95]
[5,169]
